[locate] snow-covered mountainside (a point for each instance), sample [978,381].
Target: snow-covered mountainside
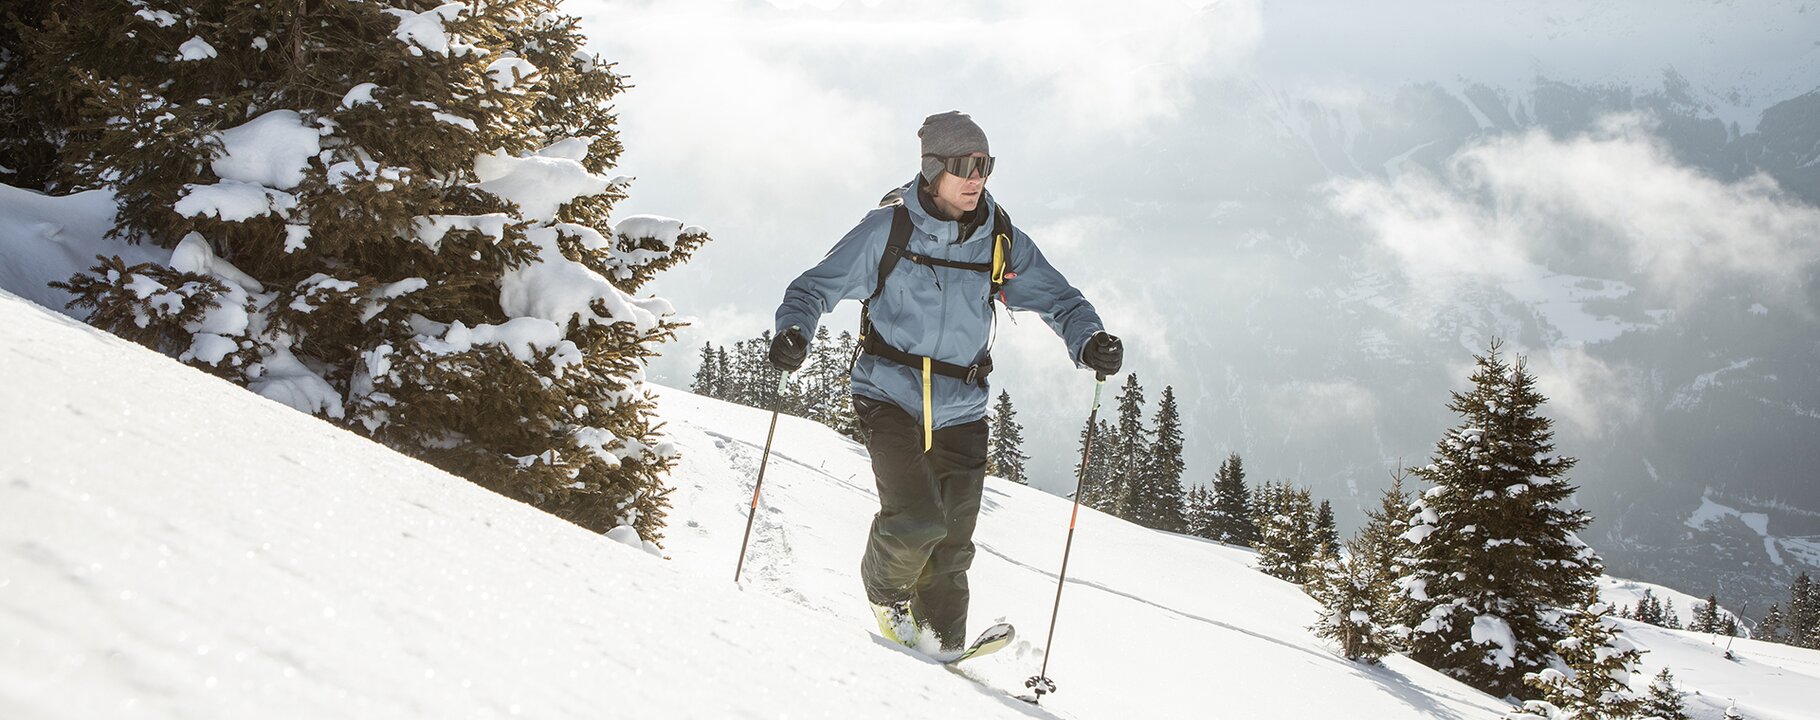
[174,546]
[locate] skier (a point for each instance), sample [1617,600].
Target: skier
[919,382]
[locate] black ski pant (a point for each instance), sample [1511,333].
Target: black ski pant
[921,542]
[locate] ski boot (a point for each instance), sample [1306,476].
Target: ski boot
[895,622]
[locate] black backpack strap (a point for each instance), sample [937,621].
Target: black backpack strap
[922,259]
[894,249]
[895,245]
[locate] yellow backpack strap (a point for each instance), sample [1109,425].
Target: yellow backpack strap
[999,244]
[1001,250]
[928,409]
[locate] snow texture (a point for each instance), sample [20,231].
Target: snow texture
[425,31]
[539,184]
[508,73]
[556,289]
[431,229]
[195,48]
[358,95]
[47,238]
[234,201]
[273,150]
[1493,630]
[172,546]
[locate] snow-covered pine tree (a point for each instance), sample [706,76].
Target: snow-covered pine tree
[1005,458]
[1381,549]
[823,381]
[705,380]
[1156,499]
[1099,487]
[1664,701]
[1494,557]
[841,393]
[1349,590]
[1649,609]
[1326,530]
[1199,512]
[1128,450]
[390,214]
[1803,612]
[1286,542]
[1233,520]
[1769,629]
[1705,616]
[1591,681]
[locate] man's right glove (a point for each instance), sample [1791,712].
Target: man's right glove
[1104,353]
[789,349]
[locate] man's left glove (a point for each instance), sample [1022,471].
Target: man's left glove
[789,349]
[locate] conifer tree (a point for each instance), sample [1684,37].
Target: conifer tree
[844,419]
[1770,628]
[1705,616]
[1005,458]
[1128,450]
[723,369]
[1156,499]
[1199,511]
[1664,701]
[1803,612]
[1232,518]
[1326,530]
[1598,661]
[1649,610]
[705,380]
[1286,543]
[1350,591]
[1099,486]
[1494,555]
[1381,548]
[393,215]
[32,115]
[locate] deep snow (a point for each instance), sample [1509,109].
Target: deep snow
[174,546]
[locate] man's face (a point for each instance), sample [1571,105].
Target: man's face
[958,195]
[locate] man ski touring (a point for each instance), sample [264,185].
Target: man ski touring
[931,265]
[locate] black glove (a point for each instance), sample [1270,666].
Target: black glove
[1104,353]
[789,349]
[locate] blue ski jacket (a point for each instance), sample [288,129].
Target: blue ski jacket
[938,312]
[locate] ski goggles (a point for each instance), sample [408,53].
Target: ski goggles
[965,166]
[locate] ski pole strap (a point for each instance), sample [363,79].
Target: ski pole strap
[928,409]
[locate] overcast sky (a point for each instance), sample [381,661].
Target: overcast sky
[1125,130]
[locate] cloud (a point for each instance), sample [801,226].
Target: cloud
[1512,203]
[1591,395]
[1323,403]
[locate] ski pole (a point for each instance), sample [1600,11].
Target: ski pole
[1041,682]
[776,407]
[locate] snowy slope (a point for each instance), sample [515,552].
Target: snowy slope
[173,546]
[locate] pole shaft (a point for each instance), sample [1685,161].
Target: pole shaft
[1080,481]
[764,460]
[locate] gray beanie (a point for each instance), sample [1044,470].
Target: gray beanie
[950,134]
